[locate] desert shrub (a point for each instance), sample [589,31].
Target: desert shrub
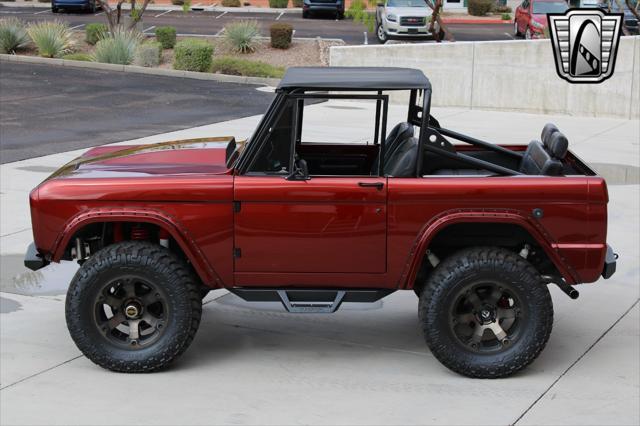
[231,3]
[359,13]
[118,48]
[297,3]
[85,57]
[278,4]
[177,2]
[13,35]
[186,6]
[193,55]
[241,35]
[245,67]
[52,38]
[148,54]
[94,32]
[44,1]
[479,7]
[502,9]
[506,17]
[166,36]
[281,35]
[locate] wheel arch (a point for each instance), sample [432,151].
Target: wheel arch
[435,233]
[186,244]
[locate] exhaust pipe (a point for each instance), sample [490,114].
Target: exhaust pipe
[562,285]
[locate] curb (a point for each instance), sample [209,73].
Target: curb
[222,78]
[476,21]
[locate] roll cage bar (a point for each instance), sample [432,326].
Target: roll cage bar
[431,138]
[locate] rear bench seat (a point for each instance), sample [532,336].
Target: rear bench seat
[540,158]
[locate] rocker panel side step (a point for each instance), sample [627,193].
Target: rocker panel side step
[310,300]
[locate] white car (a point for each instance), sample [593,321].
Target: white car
[402,19]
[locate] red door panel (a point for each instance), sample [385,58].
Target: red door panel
[322,225]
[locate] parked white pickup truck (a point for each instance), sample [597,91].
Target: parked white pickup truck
[402,19]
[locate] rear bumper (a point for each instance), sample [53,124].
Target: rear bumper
[609,263]
[33,260]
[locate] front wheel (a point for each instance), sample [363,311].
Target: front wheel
[381,34]
[486,312]
[133,307]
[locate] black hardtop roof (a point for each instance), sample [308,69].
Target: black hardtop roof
[353,78]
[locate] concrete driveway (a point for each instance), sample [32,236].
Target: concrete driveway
[366,364]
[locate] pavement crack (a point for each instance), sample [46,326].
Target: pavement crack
[575,362]
[41,372]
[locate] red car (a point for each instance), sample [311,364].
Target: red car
[531,17]
[477,230]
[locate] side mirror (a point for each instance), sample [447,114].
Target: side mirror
[300,170]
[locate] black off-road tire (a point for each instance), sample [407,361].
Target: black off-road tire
[455,274]
[168,274]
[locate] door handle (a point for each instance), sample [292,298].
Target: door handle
[377,185]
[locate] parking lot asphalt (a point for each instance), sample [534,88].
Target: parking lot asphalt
[212,23]
[366,364]
[47,109]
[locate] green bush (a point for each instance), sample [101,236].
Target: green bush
[13,35]
[297,3]
[78,57]
[118,48]
[52,38]
[94,32]
[186,6]
[245,67]
[359,13]
[193,55]
[177,2]
[148,54]
[506,17]
[166,36]
[278,4]
[479,7]
[231,3]
[241,35]
[281,35]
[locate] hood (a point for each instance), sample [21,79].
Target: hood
[409,11]
[189,156]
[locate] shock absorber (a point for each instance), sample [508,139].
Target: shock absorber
[139,232]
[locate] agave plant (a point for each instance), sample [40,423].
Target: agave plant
[13,35]
[242,35]
[52,38]
[118,48]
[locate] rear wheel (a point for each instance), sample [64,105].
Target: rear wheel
[133,307]
[515,29]
[486,312]
[54,9]
[305,14]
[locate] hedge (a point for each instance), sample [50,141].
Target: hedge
[480,7]
[278,4]
[281,36]
[231,3]
[245,67]
[94,32]
[166,36]
[193,55]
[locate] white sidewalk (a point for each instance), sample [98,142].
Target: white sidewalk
[362,365]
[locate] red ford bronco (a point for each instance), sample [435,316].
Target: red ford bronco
[476,230]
